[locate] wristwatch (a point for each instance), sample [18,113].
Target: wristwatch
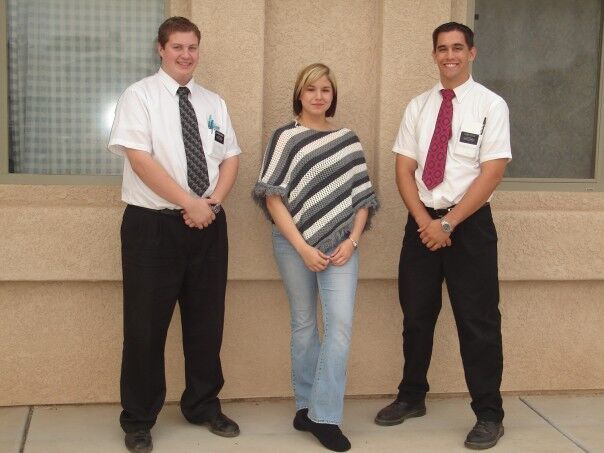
[446,226]
[355,244]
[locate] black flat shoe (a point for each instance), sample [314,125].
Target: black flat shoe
[139,441]
[301,420]
[398,412]
[221,425]
[330,436]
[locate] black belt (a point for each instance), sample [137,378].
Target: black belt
[440,213]
[168,212]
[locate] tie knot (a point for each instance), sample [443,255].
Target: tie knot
[183,91]
[447,94]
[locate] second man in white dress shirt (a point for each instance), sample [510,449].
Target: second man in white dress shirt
[450,233]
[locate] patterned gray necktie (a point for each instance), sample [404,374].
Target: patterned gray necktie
[197,167]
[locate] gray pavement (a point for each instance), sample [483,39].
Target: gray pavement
[548,424]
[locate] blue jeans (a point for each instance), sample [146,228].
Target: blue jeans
[318,367]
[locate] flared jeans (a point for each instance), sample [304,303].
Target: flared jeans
[318,366]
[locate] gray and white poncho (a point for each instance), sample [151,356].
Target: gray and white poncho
[321,177]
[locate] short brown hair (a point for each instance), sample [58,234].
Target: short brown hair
[174,24]
[310,74]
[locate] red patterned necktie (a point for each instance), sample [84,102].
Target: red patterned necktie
[434,168]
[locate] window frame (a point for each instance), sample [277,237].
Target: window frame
[29,178]
[595,184]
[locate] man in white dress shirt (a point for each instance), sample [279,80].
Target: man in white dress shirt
[451,152]
[181,163]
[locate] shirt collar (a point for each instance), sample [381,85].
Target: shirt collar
[461,90]
[171,84]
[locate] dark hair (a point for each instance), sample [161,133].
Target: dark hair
[453,26]
[309,75]
[174,24]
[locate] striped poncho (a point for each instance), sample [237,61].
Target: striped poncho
[321,177]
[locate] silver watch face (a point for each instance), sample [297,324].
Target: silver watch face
[446,226]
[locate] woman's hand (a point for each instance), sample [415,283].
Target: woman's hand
[314,259]
[342,253]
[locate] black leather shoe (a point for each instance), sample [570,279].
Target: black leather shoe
[221,425]
[485,434]
[139,441]
[398,412]
[301,420]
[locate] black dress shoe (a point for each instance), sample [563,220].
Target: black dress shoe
[301,420]
[485,434]
[221,425]
[398,412]
[330,436]
[139,441]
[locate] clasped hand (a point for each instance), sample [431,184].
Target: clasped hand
[432,235]
[198,213]
[342,253]
[317,261]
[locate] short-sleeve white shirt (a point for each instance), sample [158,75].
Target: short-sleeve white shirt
[147,118]
[480,132]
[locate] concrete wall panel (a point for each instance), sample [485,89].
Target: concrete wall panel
[61,342]
[75,236]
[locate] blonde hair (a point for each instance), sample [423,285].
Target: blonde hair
[309,75]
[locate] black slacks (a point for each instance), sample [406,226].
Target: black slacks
[469,267]
[163,261]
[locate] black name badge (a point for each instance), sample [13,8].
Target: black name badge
[468,137]
[219,137]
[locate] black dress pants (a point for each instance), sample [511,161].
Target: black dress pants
[469,267]
[163,260]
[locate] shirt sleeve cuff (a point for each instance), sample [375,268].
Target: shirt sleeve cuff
[404,152]
[232,152]
[507,156]
[119,147]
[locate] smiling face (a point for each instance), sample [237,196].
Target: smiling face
[453,56]
[180,55]
[316,98]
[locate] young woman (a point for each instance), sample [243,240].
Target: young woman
[314,187]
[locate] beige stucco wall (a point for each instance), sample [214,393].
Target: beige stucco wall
[60,288]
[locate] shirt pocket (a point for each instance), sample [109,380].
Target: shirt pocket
[214,148]
[468,141]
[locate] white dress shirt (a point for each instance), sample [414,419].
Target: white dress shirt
[480,132]
[147,118]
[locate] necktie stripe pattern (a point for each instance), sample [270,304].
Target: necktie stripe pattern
[197,167]
[434,168]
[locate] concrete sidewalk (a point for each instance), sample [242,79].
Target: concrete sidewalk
[545,424]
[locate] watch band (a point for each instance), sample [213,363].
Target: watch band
[355,244]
